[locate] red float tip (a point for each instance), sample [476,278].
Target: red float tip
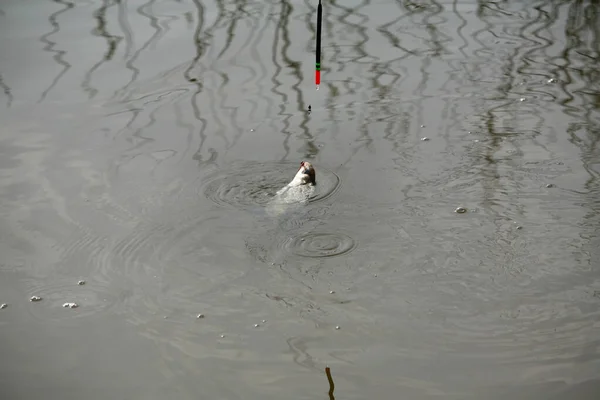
[318,77]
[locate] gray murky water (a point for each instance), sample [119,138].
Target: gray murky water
[142,141]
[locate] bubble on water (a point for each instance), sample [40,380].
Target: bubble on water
[331,292]
[222,336]
[460,210]
[251,130]
[549,185]
[551,80]
[35,298]
[81,282]
[522,99]
[422,126]
[3,306]
[519,227]
[264,321]
[70,305]
[200,316]
[337,327]
[256,325]
[424,139]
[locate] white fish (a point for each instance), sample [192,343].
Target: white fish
[306,175]
[297,191]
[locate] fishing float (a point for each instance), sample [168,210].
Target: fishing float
[318,61]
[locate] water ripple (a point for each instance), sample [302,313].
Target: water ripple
[124,182]
[250,184]
[319,244]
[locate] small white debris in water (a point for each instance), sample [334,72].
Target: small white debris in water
[422,126]
[81,282]
[222,336]
[70,305]
[200,316]
[337,327]
[460,210]
[3,306]
[256,325]
[522,99]
[35,298]
[331,292]
[551,80]
[476,140]
[264,321]
[424,139]
[251,130]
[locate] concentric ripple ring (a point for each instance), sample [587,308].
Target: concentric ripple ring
[320,244]
[251,184]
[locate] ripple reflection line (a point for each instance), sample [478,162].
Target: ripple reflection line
[50,46]
[311,150]
[112,42]
[200,44]
[234,20]
[252,73]
[359,27]
[144,10]
[280,26]
[180,122]
[7,92]
[125,27]
[462,25]
[261,77]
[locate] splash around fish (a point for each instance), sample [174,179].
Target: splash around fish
[247,185]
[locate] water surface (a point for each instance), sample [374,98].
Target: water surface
[142,141]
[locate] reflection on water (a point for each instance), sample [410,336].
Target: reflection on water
[131,127]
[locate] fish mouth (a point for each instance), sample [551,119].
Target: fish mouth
[307,172]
